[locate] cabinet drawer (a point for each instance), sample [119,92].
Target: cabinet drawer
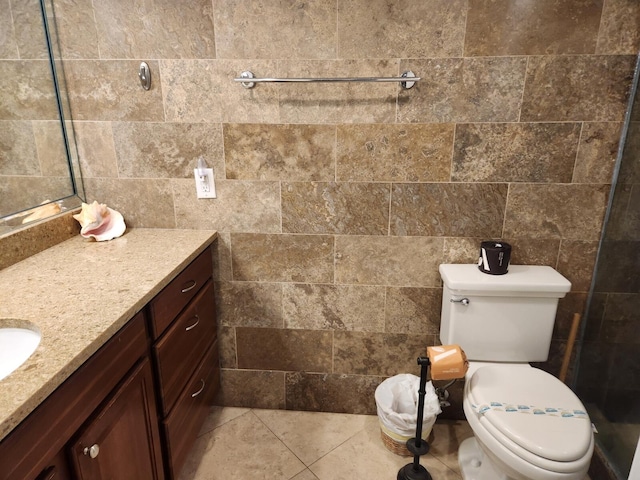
[175,296]
[179,351]
[181,427]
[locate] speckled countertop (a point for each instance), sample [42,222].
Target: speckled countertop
[78,294]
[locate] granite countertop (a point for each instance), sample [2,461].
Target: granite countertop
[79,293]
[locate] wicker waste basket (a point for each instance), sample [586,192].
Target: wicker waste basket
[397,405]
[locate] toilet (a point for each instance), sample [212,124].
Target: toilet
[527,424]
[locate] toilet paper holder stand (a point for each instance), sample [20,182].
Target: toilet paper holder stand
[418,446]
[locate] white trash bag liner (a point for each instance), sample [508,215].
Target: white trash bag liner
[397,403]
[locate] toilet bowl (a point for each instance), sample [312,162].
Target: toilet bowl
[527,424]
[552,439]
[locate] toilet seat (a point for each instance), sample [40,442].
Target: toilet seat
[551,443]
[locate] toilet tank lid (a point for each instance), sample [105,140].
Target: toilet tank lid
[520,278]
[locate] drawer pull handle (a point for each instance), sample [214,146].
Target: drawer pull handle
[92,451]
[190,287]
[194,395]
[191,327]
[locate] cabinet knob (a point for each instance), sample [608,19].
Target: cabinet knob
[92,451]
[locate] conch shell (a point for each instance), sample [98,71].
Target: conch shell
[100,222]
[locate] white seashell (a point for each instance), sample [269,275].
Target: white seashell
[100,222]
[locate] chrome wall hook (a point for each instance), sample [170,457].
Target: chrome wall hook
[145,76]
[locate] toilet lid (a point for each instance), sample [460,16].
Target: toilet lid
[542,433]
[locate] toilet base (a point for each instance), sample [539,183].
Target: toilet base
[474,464]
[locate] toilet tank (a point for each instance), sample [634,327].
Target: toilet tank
[501,318]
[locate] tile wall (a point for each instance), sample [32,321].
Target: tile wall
[336,203]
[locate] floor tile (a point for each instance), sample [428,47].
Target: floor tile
[445,438]
[305,475]
[311,435]
[219,416]
[365,456]
[242,448]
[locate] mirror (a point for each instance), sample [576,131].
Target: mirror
[39,174]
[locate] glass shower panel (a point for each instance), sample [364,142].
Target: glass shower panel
[608,377]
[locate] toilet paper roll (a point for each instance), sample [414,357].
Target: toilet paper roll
[494,257]
[447,362]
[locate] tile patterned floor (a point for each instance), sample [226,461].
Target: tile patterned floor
[241,443]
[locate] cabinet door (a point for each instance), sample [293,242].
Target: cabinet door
[122,440]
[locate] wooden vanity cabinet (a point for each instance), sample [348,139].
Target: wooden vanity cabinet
[134,409]
[185,353]
[35,449]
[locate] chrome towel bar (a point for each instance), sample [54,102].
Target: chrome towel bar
[407,80]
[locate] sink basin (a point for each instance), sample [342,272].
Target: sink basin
[17,344]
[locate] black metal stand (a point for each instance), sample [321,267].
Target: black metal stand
[417,446]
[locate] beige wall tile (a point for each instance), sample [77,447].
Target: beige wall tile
[524,251]
[150,207]
[250,388]
[384,354]
[401,261]
[343,208]
[222,257]
[576,262]
[249,304]
[341,102]
[597,152]
[76,29]
[431,28]
[282,258]
[8,45]
[447,209]
[276,29]
[27,25]
[240,206]
[571,212]
[227,346]
[548,27]
[404,153]
[334,307]
[166,150]
[96,150]
[52,153]
[620,28]
[279,152]
[26,91]
[515,152]
[570,88]
[332,392]
[463,90]
[18,154]
[203,91]
[461,249]
[155,29]
[280,349]
[110,90]
[415,311]
[534,251]
[571,304]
